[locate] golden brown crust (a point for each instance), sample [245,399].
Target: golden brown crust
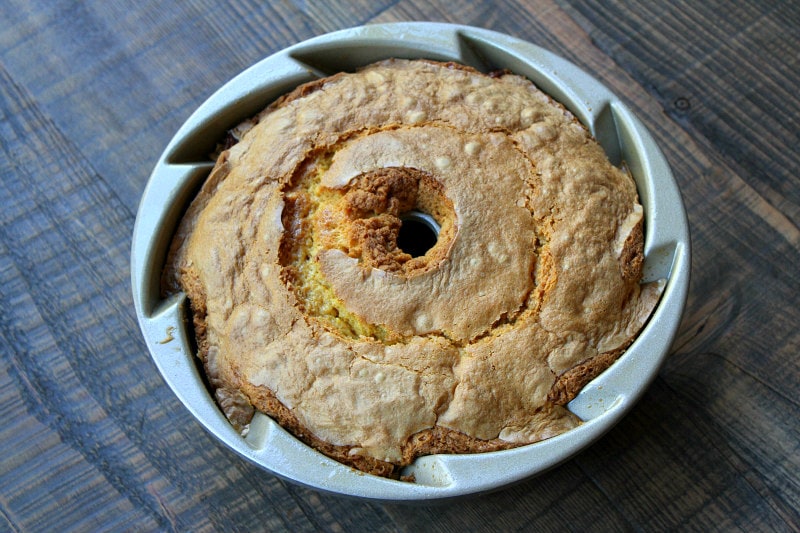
[271,406]
[631,259]
[306,308]
[302,91]
[426,442]
[171,277]
[570,383]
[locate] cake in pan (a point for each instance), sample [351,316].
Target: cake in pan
[312,304]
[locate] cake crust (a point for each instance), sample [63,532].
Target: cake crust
[305,308]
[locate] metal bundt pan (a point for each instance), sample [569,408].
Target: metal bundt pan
[184,165]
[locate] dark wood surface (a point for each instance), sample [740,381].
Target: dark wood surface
[93,439]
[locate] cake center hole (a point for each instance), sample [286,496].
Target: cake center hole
[418,233]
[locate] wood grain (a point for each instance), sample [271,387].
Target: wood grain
[90,93]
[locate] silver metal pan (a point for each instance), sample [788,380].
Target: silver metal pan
[184,165]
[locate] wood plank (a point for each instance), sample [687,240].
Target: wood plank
[730,79]
[43,230]
[118,82]
[86,371]
[557,500]
[683,444]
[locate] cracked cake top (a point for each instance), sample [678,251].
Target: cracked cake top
[306,308]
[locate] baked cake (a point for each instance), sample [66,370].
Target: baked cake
[306,308]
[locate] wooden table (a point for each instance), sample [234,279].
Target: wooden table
[93,439]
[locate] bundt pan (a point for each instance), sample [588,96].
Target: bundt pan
[185,164]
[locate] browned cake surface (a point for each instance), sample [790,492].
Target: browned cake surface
[305,307]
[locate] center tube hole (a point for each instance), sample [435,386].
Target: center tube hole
[418,233]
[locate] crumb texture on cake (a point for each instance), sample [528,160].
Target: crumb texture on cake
[306,308]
